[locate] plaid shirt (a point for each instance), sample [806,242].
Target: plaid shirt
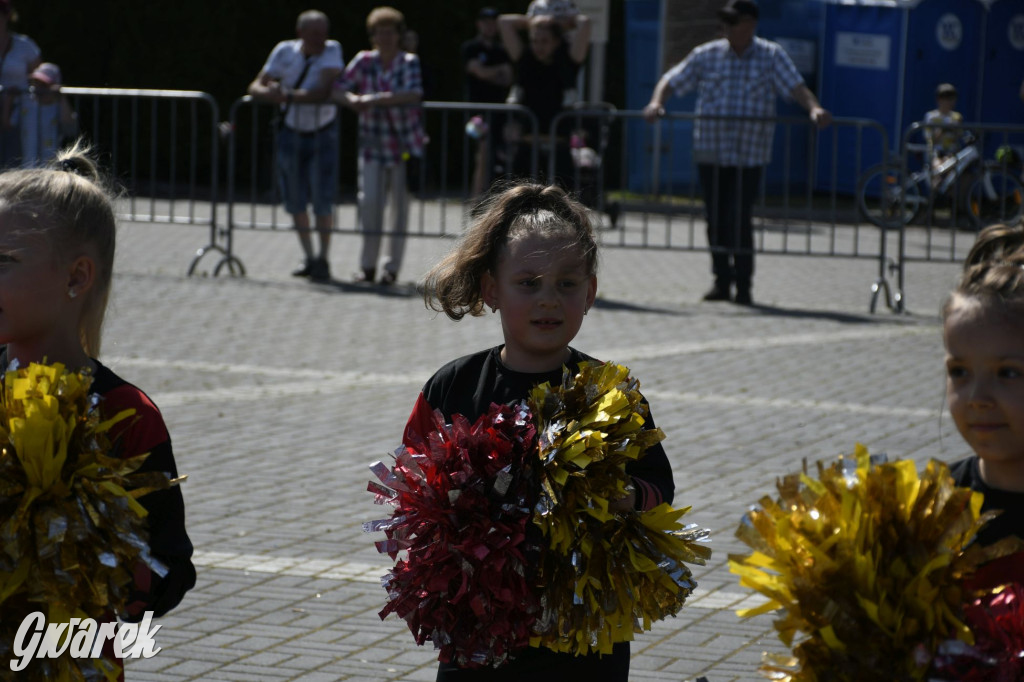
[728,84]
[386,133]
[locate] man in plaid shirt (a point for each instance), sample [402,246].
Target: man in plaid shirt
[739,75]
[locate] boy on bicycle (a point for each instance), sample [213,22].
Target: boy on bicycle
[942,142]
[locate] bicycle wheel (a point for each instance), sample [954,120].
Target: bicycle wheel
[887,198]
[995,197]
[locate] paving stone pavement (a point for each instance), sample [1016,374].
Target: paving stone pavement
[279,393]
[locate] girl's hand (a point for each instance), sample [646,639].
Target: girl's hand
[624,504]
[142,583]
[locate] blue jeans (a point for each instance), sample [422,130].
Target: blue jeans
[307,166]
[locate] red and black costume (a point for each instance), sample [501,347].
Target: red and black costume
[468,386]
[1010,522]
[169,543]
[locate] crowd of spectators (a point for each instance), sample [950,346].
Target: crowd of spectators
[532,59]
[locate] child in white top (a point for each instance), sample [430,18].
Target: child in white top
[943,142]
[46,117]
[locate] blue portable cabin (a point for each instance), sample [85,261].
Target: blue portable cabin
[882,60]
[1002,67]
[797,26]
[643,70]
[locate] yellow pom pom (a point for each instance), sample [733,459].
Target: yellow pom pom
[864,562]
[605,575]
[72,531]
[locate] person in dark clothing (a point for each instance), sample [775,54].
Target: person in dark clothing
[983,332]
[488,72]
[546,70]
[532,257]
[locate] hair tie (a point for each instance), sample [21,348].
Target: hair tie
[69,166]
[1009,264]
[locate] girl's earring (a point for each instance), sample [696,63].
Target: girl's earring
[72,293]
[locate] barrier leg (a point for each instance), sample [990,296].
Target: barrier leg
[235,266]
[893,299]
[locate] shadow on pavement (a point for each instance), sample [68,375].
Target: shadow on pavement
[612,305]
[396,290]
[884,317]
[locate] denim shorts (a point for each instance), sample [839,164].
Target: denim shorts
[307,169]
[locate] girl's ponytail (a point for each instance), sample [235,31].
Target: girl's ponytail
[69,203]
[994,268]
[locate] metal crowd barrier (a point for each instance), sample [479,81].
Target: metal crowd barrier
[940,205]
[253,196]
[814,199]
[805,204]
[662,213]
[161,146]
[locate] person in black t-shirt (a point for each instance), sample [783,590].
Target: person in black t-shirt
[983,331]
[488,76]
[487,64]
[532,257]
[546,69]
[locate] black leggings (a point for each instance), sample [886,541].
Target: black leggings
[729,193]
[544,665]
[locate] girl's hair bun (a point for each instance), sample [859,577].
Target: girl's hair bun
[77,159]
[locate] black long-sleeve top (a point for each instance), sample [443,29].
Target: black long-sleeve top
[146,432]
[468,386]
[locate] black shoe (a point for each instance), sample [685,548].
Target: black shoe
[388,278]
[717,293]
[366,276]
[614,209]
[743,297]
[306,270]
[320,271]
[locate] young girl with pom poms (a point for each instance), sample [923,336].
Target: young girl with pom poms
[57,233]
[983,331]
[878,572]
[530,256]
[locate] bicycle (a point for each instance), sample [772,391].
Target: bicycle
[888,199]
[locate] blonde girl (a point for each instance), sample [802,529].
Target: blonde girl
[57,235]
